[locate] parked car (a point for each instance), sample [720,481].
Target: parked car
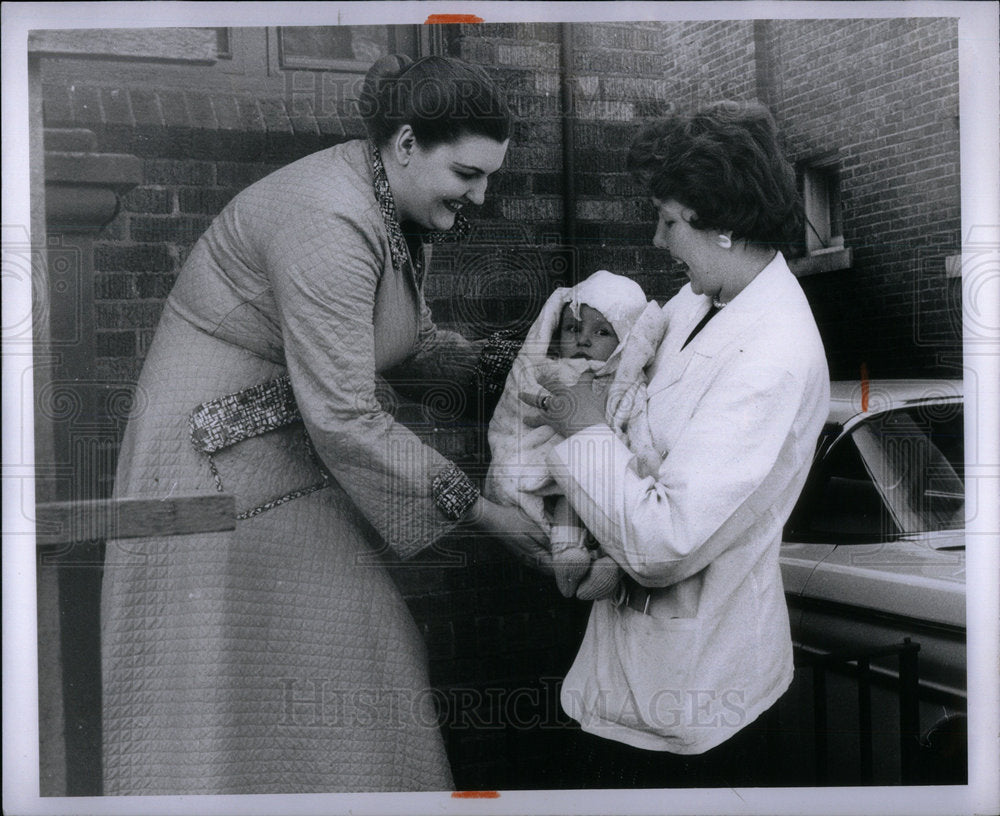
[874,551]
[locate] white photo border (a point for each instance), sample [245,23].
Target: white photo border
[980,169]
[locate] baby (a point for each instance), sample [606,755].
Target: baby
[604,325]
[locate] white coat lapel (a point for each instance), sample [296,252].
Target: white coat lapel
[765,293]
[671,360]
[762,296]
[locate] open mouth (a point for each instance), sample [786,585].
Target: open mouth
[454,206]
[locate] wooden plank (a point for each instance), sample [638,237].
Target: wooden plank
[69,522]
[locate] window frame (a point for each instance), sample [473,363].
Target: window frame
[406,39]
[821,202]
[823,233]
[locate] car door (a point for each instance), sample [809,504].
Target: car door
[874,555]
[874,551]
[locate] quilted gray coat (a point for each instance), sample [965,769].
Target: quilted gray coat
[280,657]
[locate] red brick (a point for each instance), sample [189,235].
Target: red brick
[114,344]
[129,314]
[203,200]
[70,140]
[146,107]
[57,106]
[274,116]
[117,107]
[507,183]
[302,116]
[251,118]
[170,171]
[154,286]
[173,105]
[202,111]
[172,229]
[542,183]
[87,105]
[132,258]
[238,175]
[115,286]
[227,112]
[337,128]
[148,200]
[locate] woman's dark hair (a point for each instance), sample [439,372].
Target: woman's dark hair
[725,163]
[441,98]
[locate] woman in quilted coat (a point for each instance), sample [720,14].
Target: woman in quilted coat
[280,657]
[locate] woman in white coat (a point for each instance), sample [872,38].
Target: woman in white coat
[677,670]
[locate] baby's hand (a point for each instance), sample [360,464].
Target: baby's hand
[570,564]
[602,581]
[567,410]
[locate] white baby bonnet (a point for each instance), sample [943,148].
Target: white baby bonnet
[518,473]
[620,299]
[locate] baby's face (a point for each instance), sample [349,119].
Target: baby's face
[591,337]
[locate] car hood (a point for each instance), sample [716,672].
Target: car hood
[944,540]
[911,577]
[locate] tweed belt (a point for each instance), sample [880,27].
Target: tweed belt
[254,411]
[264,407]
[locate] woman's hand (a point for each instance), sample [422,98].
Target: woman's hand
[518,533]
[567,409]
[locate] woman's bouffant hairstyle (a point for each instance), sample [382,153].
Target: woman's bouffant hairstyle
[441,98]
[725,163]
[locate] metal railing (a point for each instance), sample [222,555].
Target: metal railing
[857,664]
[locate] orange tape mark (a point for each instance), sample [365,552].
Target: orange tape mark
[437,19]
[864,387]
[475,795]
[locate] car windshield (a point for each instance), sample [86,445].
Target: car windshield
[914,459]
[894,474]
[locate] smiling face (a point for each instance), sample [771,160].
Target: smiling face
[696,248]
[432,184]
[591,337]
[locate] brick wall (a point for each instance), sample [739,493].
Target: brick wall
[883,93]
[621,74]
[197,150]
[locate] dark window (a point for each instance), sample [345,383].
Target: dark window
[840,501]
[341,48]
[821,201]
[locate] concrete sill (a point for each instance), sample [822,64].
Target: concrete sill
[830,260]
[115,170]
[82,188]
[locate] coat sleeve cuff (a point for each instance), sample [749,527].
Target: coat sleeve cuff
[454,492]
[495,362]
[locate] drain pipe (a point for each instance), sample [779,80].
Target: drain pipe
[567,101]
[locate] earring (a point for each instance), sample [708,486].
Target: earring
[725,241]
